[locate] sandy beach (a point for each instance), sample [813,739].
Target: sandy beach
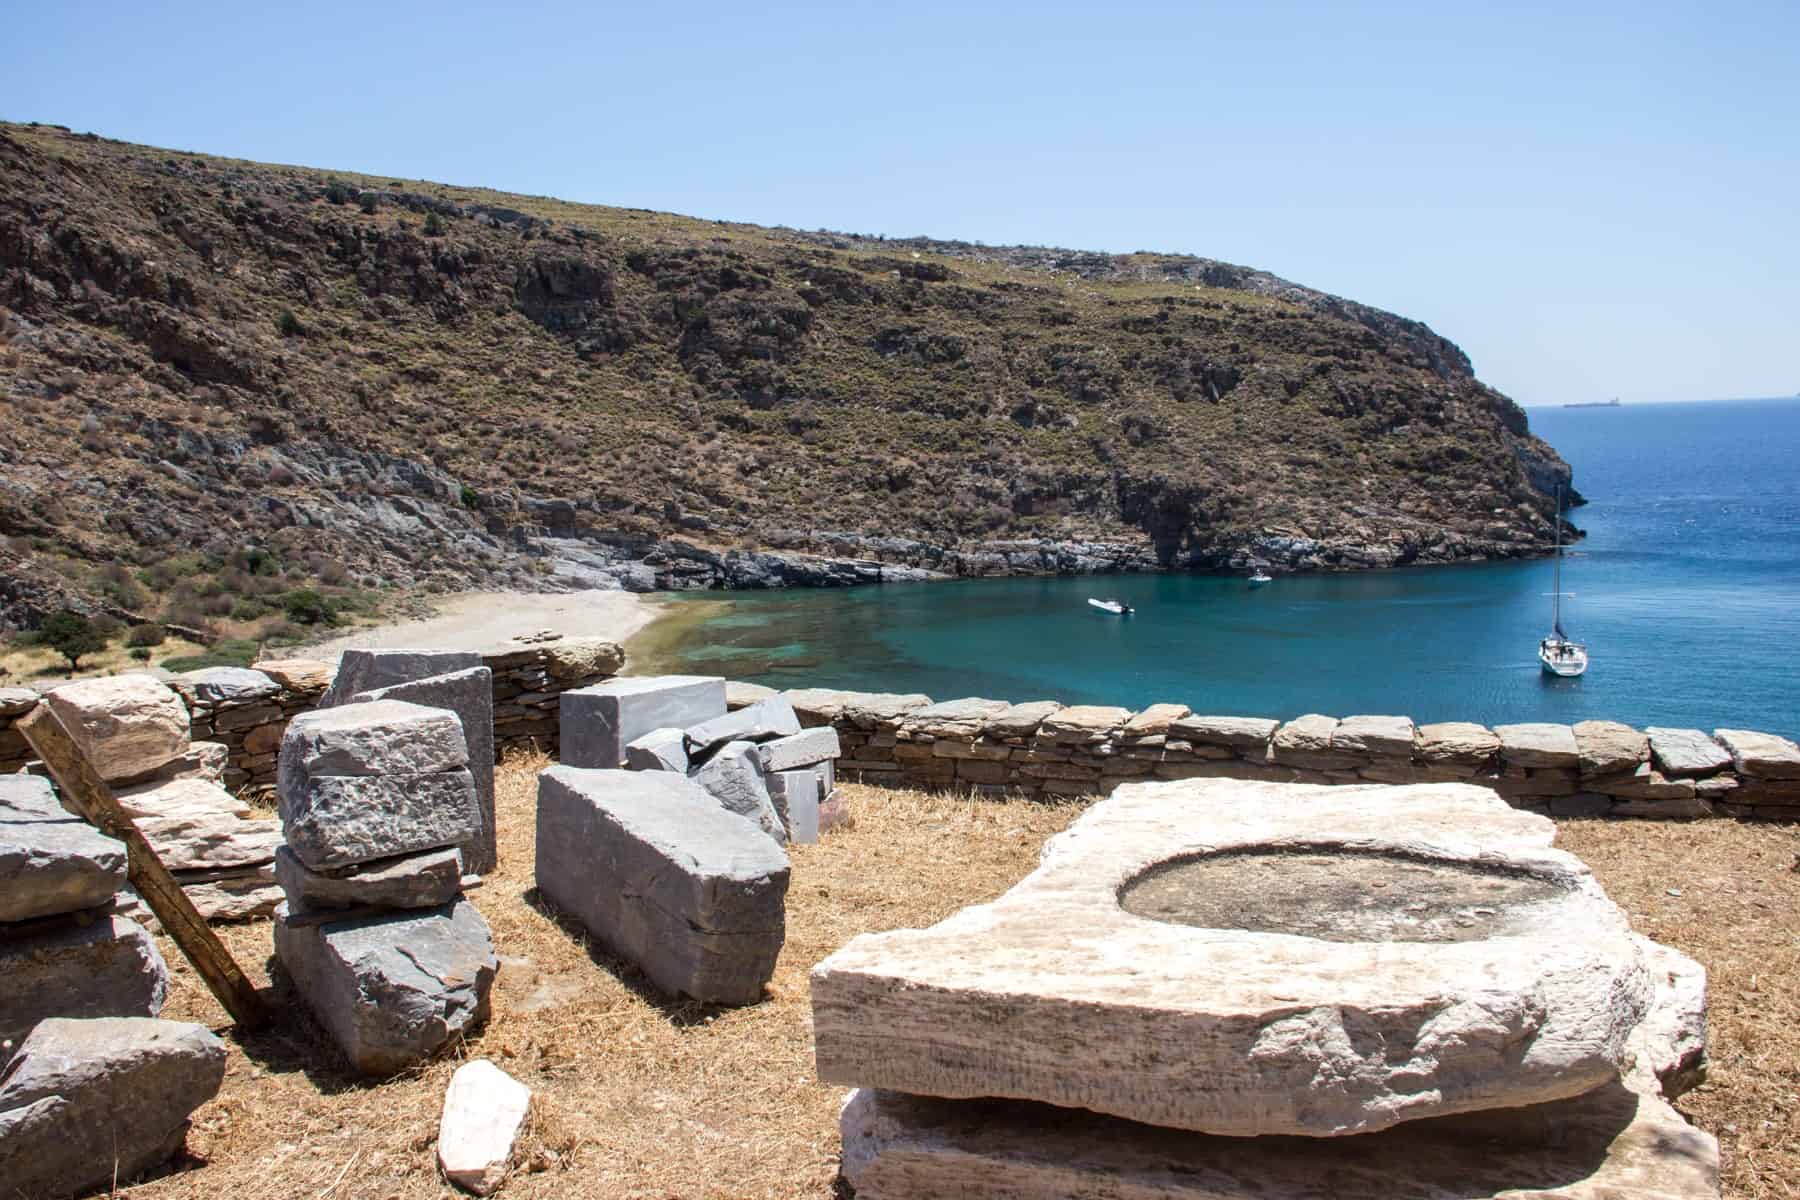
[482,620]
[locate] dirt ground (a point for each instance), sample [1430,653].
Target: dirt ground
[481,620]
[637,1096]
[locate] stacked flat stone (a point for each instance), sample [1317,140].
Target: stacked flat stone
[752,757]
[1175,1004]
[136,732]
[376,803]
[65,950]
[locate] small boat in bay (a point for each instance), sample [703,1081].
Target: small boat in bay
[1261,577]
[1559,655]
[1117,608]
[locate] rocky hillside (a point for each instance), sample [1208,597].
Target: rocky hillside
[218,370]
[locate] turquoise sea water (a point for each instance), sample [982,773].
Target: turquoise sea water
[1687,593]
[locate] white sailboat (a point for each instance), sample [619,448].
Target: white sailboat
[1557,653]
[1117,608]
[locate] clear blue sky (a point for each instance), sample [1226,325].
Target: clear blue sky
[1592,199]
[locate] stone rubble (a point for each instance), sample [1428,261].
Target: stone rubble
[484,1109]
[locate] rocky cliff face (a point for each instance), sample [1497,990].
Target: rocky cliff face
[409,384]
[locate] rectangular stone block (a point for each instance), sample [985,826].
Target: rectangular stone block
[659,750]
[127,725]
[796,795]
[1759,755]
[423,880]
[662,876]
[470,695]
[342,820]
[1235,732]
[801,749]
[597,723]
[1686,753]
[106,968]
[1388,736]
[1538,745]
[384,737]
[51,862]
[191,841]
[366,670]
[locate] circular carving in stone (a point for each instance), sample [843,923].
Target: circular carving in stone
[1344,895]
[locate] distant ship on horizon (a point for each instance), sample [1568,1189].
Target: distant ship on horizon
[1613,403]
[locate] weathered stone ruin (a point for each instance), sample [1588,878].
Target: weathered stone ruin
[1225,989]
[377,802]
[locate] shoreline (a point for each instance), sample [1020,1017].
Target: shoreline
[484,620]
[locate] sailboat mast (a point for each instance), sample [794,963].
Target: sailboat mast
[1556,586]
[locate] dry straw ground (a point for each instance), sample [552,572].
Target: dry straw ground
[638,1097]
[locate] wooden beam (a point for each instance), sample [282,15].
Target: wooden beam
[82,787]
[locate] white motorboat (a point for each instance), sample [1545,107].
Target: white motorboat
[1559,655]
[1261,577]
[1117,608]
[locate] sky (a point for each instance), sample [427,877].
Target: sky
[1593,200]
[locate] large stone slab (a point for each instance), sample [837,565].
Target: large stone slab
[423,880]
[109,967]
[734,777]
[1490,970]
[1456,742]
[760,722]
[366,670]
[94,1103]
[126,725]
[50,861]
[1538,745]
[1759,755]
[597,723]
[663,877]
[228,685]
[484,1108]
[341,820]
[1021,720]
[392,990]
[1305,742]
[802,749]
[963,718]
[1686,753]
[187,796]
[469,694]
[197,841]
[1238,733]
[1608,747]
[1083,723]
[384,737]
[1609,1144]
[1391,737]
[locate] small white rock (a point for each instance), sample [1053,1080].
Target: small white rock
[484,1108]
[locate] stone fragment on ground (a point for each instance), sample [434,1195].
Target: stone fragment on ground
[103,966]
[392,989]
[125,725]
[1667,1050]
[597,723]
[423,880]
[50,861]
[484,1109]
[386,737]
[662,876]
[341,820]
[1686,753]
[735,779]
[1520,989]
[760,722]
[469,693]
[1608,1144]
[659,750]
[796,795]
[93,1103]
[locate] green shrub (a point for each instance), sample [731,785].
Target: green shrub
[434,225]
[340,193]
[288,325]
[146,636]
[71,635]
[249,609]
[140,653]
[470,497]
[304,606]
[239,652]
[370,203]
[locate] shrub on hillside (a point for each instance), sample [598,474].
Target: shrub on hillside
[71,635]
[304,606]
[288,325]
[235,653]
[146,635]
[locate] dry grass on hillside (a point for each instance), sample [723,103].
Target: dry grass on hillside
[638,1097]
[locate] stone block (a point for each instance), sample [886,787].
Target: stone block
[186,797]
[1238,733]
[801,749]
[1641,784]
[1612,1142]
[206,761]
[366,670]
[1021,720]
[1306,742]
[796,795]
[1686,753]
[196,841]
[302,675]
[1609,748]
[659,750]
[227,685]
[17,701]
[663,877]
[423,880]
[1538,745]
[470,695]
[1391,737]
[484,1109]
[963,718]
[108,967]
[735,779]
[760,722]
[233,893]
[1456,742]
[392,990]
[1668,1048]
[1174,960]
[341,820]
[126,725]
[90,1104]
[1083,723]
[385,737]
[984,750]
[739,694]
[881,710]
[1758,755]
[597,723]
[1155,720]
[50,861]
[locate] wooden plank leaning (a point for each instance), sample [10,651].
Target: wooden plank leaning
[82,787]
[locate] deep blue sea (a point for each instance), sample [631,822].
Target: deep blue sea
[1686,591]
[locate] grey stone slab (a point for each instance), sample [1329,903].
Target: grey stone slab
[1239,733]
[662,876]
[228,685]
[29,799]
[1760,755]
[108,967]
[1686,753]
[1609,747]
[470,695]
[1021,720]
[341,820]
[802,749]
[659,750]
[385,737]
[91,1103]
[760,722]
[1456,742]
[366,670]
[423,880]
[1538,744]
[392,990]
[1306,742]
[1389,736]
[797,794]
[236,894]
[56,866]
[194,841]
[597,723]
[735,778]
